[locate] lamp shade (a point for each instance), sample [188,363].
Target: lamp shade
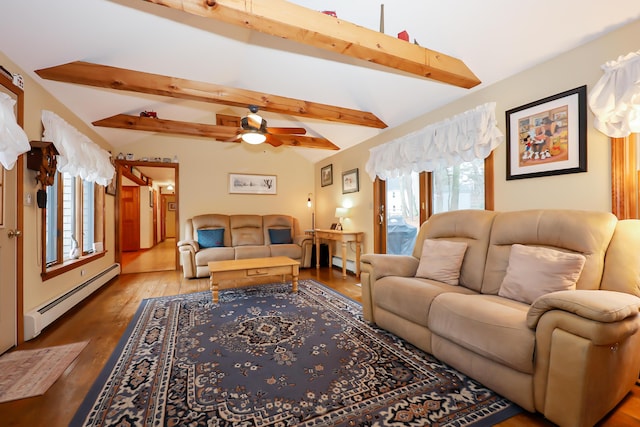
[253,137]
[342,212]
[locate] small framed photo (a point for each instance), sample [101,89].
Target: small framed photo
[111,188]
[350,182]
[172,206]
[326,175]
[150,198]
[548,136]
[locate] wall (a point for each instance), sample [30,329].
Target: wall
[204,176]
[146,218]
[590,190]
[36,291]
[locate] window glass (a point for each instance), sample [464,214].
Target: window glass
[458,187]
[88,210]
[403,213]
[51,225]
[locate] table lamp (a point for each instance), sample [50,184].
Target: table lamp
[341,213]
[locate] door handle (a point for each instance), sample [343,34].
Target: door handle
[14,233]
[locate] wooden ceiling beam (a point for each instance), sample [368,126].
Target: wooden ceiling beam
[150,124]
[104,76]
[220,133]
[293,22]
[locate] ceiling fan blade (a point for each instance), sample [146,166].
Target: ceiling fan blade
[307,142]
[273,140]
[149,124]
[287,131]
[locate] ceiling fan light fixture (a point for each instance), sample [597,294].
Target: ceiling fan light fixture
[253,137]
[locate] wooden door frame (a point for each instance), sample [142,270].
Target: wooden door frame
[19,166]
[120,165]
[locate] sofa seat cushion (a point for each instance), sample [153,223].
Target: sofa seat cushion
[291,250]
[411,297]
[204,256]
[489,325]
[257,251]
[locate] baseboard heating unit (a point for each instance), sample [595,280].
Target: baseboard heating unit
[36,320]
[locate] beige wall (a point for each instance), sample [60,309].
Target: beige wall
[590,190]
[204,168]
[36,291]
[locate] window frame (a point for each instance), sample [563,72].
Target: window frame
[426,206]
[62,265]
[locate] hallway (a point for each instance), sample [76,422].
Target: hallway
[159,258]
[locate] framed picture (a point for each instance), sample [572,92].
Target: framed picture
[172,206]
[350,182]
[150,198]
[111,188]
[326,175]
[252,184]
[549,136]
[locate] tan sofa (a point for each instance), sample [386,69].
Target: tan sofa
[571,355]
[241,237]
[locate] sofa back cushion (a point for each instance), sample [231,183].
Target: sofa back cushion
[574,231]
[622,263]
[246,230]
[208,221]
[472,227]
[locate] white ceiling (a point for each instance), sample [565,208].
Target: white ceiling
[495,38]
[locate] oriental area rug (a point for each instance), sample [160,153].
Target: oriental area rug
[264,356]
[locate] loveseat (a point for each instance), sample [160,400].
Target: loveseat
[216,237]
[540,306]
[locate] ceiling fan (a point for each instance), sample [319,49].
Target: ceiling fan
[255,131]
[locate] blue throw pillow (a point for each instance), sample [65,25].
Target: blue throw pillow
[279,236]
[211,237]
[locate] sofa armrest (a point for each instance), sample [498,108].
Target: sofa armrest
[376,266]
[301,239]
[188,249]
[188,245]
[382,265]
[599,305]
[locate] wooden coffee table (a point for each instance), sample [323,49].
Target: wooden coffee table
[252,268]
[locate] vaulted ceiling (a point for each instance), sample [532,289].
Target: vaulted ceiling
[494,38]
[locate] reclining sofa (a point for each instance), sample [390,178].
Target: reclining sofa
[217,237]
[540,306]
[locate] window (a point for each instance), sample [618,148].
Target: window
[73,214]
[405,202]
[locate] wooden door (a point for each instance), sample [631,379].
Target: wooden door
[11,243]
[130,218]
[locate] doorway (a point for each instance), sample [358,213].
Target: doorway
[145,228]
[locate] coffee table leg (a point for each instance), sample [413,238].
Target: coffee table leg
[294,278]
[213,285]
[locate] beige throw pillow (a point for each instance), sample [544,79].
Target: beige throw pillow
[535,271]
[441,260]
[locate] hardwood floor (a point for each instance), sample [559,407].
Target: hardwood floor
[159,258]
[103,317]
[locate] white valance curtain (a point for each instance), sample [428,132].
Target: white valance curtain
[78,155]
[615,98]
[13,140]
[461,138]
